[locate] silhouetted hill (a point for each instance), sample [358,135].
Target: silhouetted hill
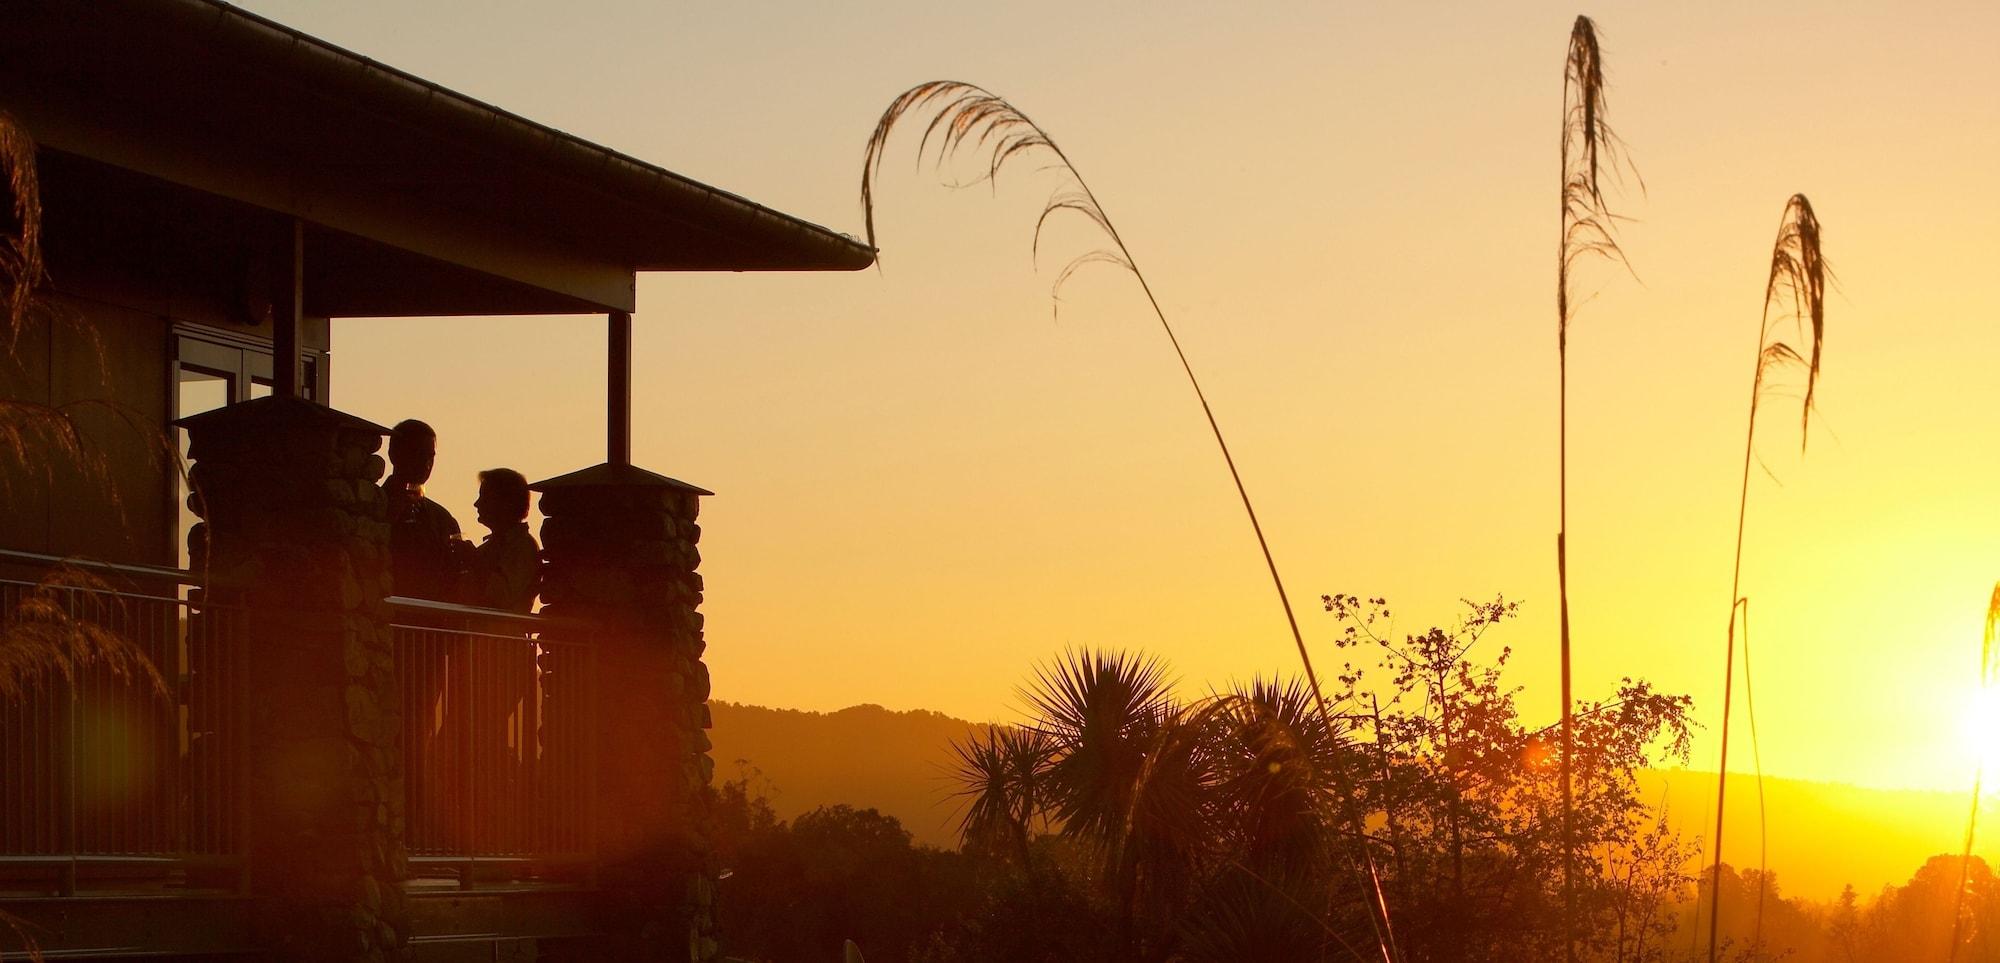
[865,756]
[1822,835]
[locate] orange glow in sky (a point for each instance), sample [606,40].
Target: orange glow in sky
[927,482]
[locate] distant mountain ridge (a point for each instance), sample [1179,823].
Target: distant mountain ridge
[865,756]
[1822,835]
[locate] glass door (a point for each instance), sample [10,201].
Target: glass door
[213,370]
[197,389]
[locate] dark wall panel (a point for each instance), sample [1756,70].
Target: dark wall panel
[105,369]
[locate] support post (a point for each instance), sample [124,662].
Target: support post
[618,390]
[295,544]
[288,315]
[623,561]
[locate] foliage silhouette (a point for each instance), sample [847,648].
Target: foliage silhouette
[1000,771]
[1212,828]
[1477,797]
[968,118]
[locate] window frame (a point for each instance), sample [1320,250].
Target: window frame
[246,364]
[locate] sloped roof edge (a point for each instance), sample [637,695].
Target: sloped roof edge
[849,253]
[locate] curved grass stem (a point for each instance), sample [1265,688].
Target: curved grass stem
[970,117]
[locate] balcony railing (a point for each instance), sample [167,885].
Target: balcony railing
[497,712]
[118,776]
[128,782]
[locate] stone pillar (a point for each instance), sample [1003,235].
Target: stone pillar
[620,545]
[294,536]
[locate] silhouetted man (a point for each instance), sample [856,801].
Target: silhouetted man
[421,532]
[505,570]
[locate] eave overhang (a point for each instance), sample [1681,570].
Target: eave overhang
[404,177]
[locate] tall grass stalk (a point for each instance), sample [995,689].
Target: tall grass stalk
[21,267]
[965,117]
[58,631]
[1795,290]
[1757,766]
[58,628]
[1987,675]
[1589,148]
[32,428]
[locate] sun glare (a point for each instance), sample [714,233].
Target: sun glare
[1979,731]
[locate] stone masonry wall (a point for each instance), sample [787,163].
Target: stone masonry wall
[622,560]
[294,533]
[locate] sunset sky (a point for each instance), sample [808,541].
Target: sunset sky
[927,482]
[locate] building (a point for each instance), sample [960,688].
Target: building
[323,769]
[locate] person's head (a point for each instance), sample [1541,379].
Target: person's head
[503,498]
[413,448]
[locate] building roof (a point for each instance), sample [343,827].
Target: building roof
[419,200]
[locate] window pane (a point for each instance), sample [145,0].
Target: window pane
[199,391]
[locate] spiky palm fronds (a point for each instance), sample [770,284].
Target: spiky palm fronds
[1166,841]
[966,118]
[1000,772]
[1101,710]
[1589,149]
[1794,289]
[1281,774]
[1989,672]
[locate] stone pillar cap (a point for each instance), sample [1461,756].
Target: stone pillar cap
[610,475]
[273,409]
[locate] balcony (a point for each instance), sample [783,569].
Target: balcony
[497,714]
[122,811]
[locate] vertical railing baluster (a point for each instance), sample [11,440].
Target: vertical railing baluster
[470,762]
[69,839]
[591,716]
[239,751]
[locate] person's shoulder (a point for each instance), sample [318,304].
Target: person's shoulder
[438,513]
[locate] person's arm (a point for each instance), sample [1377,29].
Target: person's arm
[504,575]
[518,575]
